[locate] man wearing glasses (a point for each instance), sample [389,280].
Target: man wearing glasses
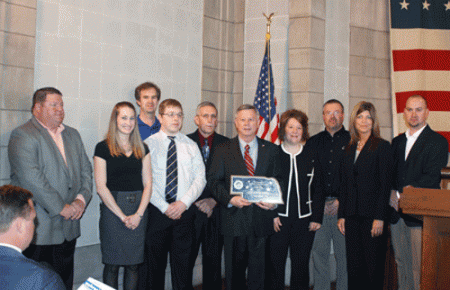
[178,180]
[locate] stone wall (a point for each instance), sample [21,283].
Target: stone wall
[17,50]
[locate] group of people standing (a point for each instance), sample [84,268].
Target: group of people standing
[165,192]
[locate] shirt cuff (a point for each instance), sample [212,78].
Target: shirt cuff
[81,198]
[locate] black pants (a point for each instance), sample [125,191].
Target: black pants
[365,255]
[241,253]
[296,237]
[208,234]
[58,257]
[177,240]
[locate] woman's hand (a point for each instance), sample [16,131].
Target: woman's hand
[132,221]
[377,228]
[341,226]
[314,226]
[277,224]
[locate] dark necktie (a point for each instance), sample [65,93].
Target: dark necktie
[171,172]
[249,161]
[205,151]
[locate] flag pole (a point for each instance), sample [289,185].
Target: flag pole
[269,21]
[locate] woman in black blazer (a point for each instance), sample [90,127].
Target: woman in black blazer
[364,200]
[301,214]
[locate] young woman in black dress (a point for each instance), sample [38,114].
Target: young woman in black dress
[123,178]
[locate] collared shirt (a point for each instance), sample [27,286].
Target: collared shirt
[411,139]
[191,169]
[253,151]
[11,247]
[202,139]
[147,131]
[330,152]
[57,138]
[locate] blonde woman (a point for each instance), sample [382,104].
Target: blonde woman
[123,179]
[365,190]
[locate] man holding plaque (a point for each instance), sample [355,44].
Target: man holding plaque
[245,225]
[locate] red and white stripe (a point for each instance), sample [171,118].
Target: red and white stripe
[421,65]
[269,133]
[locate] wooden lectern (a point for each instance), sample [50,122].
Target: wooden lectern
[434,206]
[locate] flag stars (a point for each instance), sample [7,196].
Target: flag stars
[426,5]
[447,6]
[404,5]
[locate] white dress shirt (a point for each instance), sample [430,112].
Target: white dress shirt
[253,151]
[11,246]
[411,139]
[191,169]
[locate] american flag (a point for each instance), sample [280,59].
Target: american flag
[420,51]
[265,101]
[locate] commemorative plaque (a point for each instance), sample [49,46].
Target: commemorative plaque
[256,188]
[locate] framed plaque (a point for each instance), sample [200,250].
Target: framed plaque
[256,188]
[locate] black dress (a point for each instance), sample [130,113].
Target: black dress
[119,244]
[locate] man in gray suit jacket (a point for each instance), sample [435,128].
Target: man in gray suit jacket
[48,159]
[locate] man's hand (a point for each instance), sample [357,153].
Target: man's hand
[331,207]
[341,226]
[206,205]
[265,205]
[277,224]
[175,210]
[67,212]
[239,202]
[393,201]
[313,226]
[79,207]
[377,228]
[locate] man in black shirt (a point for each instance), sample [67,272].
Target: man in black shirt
[207,213]
[330,144]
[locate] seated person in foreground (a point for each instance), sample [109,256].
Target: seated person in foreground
[17,216]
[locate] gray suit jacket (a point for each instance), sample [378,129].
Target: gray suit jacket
[37,165]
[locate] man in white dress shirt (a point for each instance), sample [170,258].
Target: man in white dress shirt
[178,180]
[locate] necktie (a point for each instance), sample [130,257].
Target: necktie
[171,172]
[205,151]
[249,161]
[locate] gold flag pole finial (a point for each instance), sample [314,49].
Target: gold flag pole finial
[269,21]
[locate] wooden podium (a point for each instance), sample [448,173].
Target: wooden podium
[434,206]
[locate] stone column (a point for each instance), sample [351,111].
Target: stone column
[17,47]
[369,59]
[223,55]
[306,59]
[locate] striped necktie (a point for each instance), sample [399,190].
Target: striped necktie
[171,172]
[249,161]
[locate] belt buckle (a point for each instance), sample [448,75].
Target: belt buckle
[131,197]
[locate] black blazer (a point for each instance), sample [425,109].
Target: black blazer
[422,168]
[217,140]
[310,199]
[227,161]
[366,183]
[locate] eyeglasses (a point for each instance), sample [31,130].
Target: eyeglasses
[172,115]
[335,113]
